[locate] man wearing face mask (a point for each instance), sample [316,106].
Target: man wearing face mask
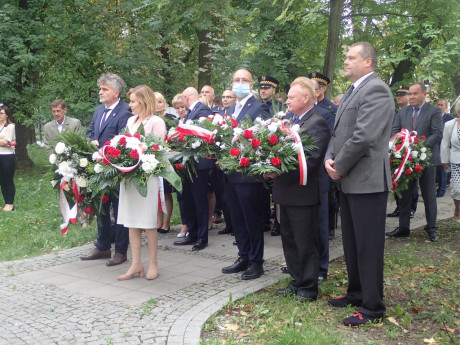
[244,193]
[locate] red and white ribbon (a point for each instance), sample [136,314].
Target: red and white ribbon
[300,154]
[184,130]
[69,214]
[407,138]
[161,196]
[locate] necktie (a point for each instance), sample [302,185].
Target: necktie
[414,117]
[350,91]
[295,120]
[237,111]
[104,116]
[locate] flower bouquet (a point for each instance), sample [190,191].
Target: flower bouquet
[134,158]
[70,161]
[409,156]
[271,146]
[205,137]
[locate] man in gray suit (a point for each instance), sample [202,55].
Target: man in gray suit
[61,122]
[357,157]
[426,120]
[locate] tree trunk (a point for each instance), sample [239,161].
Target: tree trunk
[335,20]
[24,137]
[204,61]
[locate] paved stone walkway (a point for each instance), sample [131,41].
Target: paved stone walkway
[59,299]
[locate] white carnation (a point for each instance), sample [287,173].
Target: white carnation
[297,146]
[52,158]
[272,127]
[280,114]
[218,119]
[414,154]
[196,144]
[423,149]
[258,120]
[397,155]
[237,131]
[63,167]
[224,126]
[295,128]
[223,146]
[189,122]
[98,168]
[423,156]
[60,148]
[202,119]
[81,182]
[96,156]
[83,162]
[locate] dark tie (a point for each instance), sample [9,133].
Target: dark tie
[350,91]
[104,116]
[295,120]
[414,117]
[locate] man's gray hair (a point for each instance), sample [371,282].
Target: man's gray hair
[113,80]
[368,51]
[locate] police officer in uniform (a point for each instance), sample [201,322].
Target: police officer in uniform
[267,86]
[323,82]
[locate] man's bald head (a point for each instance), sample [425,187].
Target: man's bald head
[189,96]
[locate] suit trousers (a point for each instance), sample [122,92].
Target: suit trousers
[324,226]
[244,204]
[300,239]
[363,234]
[195,199]
[106,232]
[428,188]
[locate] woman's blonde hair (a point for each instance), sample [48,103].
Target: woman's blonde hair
[160,97]
[146,97]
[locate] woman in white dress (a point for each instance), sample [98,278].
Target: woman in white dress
[450,157]
[134,210]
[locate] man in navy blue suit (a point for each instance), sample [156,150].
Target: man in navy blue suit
[109,120]
[195,192]
[243,193]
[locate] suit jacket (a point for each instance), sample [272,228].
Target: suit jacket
[286,188]
[429,124]
[450,144]
[113,126]
[198,111]
[52,132]
[359,143]
[252,109]
[328,105]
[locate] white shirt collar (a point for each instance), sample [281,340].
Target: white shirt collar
[244,100]
[360,80]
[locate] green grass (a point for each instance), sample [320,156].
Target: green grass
[33,228]
[421,293]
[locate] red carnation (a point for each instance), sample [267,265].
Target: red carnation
[106,161]
[275,161]
[104,199]
[418,168]
[398,147]
[107,143]
[89,210]
[244,162]
[178,166]
[155,148]
[395,184]
[255,143]
[13,143]
[423,137]
[122,141]
[134,154]
[247,134]
[273,140]
[408,172]
[128,135]
[234,152]
[234,123]
[80,198]
[137,135]
[416,140]
[410,158]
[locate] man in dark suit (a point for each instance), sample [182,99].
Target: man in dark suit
[228,100]
[194,192]
[299,204]
[357,157]
[109,120]
[243,193]
[441,175]
[426,120]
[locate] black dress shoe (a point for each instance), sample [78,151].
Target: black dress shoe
[321,279]
[433,235]
[276,231]
[286,291]
[304,296]
[395,213]
[254,271]
[199,245]
[343,302]
[226,231]
[412,214]
[284,269]
[331,234]
[185,241]
[398,232]
[238,266]
[267,227]
[163,231]
[440,194]
[234,243]
[360,319]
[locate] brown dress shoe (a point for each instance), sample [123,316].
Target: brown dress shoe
[117,259]
[97,254]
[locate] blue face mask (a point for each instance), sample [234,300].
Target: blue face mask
[241,90]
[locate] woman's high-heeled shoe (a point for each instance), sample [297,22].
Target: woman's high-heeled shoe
[151,276]
[128,276]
